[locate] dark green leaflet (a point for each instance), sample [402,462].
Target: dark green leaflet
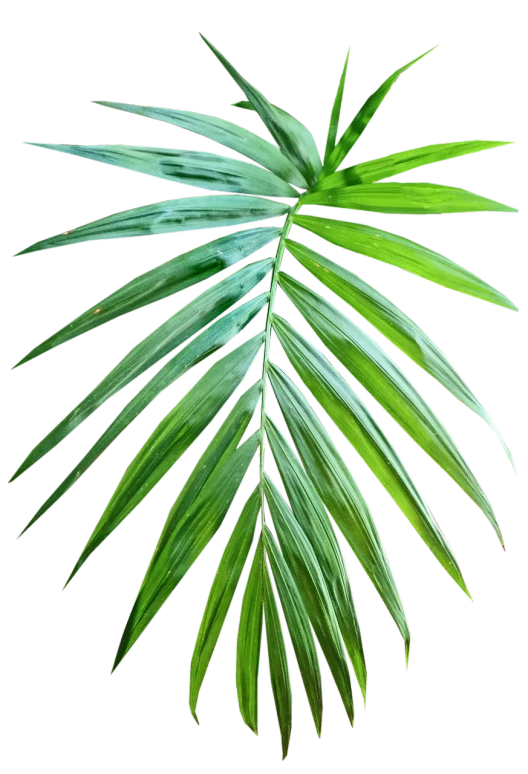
[298,146]
[298,626]
[205,170]
[336,111]
[378,169]
[224,132]
[163,340]
[401,252]
[405,198]
[201,347]
[393,323]
[304,567]
[384,380]
[172,438]
[310,512]
[248,641]
[173,215]
[221,594]
[353,419]
[360,122]
[337,489]
[171,277]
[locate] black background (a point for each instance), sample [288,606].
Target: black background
[61,644]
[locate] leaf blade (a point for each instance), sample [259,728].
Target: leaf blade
[336,111]
[406,255]
[167,217]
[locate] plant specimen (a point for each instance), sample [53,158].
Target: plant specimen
[296,559]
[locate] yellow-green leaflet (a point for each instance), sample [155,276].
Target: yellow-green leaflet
[171,438]
[337,107]
[249,642]
[177,274]
[393,164]
[293,138]
[400,329]
[202,346]
[353,419]
[165,217]
[384,380]
[407,255]
[365,114]
[298,626]
[307,575]
[310,512]
[338,490]
[221,592]
[278,665]
[204,170]
[224,132]
[405,199]
[168,336]
[195,517]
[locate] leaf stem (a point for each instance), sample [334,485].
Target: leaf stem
[267,333]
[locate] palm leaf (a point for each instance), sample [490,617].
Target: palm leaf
[305,559]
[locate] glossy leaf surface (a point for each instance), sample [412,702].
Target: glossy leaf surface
[249,640]
[336,112]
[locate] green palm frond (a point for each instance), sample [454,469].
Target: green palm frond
[296,565]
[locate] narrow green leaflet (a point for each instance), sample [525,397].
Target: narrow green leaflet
[401,252]
[388,166]
[338,490]
[405,198]
[298,146]
[184,539]
[298,626]
[393,323]
[221,594]
[177,274]
[172,438]
[163,340]
[384,380]
[278,664]
[205,170]
[248,641]
[204,345]
[304,567]
[336,112]
[310,512]
[353,419]
[360,122]
[224,132]
[173,215]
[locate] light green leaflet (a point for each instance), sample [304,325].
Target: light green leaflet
[173,215]
[184,539]
[221,594]
[337,489]
[353,419]
[298,146]
[307,575]
[360,122]
[401,252]
[384,380]
[310,512]
[336,111]
[392,322]
[372,171]
[171,277]
[405,198]
[248,641]
[224,132]
[205,170]
[204,345]
[163,340]
[298,626]
[278,664]
[172,438]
